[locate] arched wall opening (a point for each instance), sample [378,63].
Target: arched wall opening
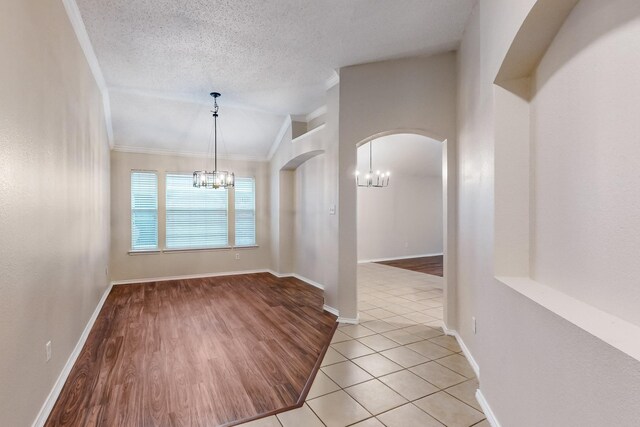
[404,219]
[302,230]
[413,95]
[299,206]
[402,224]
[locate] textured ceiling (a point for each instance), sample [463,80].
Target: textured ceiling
[154,124]
[403,153]
[269,58]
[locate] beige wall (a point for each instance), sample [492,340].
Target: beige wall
[416,94]
[402,220]
[535,367]
[587,188]
[304,172]
[309,217]
[54,215]
[143,266]
[286,216]
[330,242]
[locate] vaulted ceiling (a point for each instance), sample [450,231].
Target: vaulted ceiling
[161,58]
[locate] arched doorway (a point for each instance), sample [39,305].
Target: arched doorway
[404,244]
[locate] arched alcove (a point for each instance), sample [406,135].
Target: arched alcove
[564,191]
[288,196]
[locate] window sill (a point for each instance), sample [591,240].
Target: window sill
[170,251]
[144,252]
[217,248]
[617,332]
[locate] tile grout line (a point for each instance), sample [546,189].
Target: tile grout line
[395,372]
[383,288]
[408,401]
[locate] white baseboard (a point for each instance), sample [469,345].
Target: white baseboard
[465,349]
[299,277]
[224,273]
[365,261]
[335,312]
[189,276]
[331,310]
[491,417]
[66,370]
[281,275]
[349,320]
[309,281]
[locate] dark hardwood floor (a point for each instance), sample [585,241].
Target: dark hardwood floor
[201,352]
[429,265]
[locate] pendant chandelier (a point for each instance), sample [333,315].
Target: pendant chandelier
[371,179]
[215,179]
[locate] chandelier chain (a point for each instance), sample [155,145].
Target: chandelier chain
[214,179]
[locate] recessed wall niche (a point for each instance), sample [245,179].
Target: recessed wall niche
[567,190]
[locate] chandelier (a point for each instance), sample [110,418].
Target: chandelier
[215,179]
[371,179]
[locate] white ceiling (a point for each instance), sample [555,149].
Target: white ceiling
[161,58]
[403,154]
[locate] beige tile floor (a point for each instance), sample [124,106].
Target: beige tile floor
[396,368]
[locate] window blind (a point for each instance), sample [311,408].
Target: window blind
[196,217]
[144,211]
[245,204]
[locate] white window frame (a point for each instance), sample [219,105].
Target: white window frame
[254,243]
[149,249]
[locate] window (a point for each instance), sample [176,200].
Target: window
[245,195]
[144,211]
[196,217]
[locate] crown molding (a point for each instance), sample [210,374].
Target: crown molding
[316,113]
[160,152]
[276,142]
[75,18]
[73,12]
[312,115]
[333,80]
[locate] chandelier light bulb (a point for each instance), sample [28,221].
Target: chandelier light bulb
[378,180]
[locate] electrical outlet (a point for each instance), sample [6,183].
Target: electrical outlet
[332,210]
[47,347]
[473,325]
[106,271]
[237,256]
